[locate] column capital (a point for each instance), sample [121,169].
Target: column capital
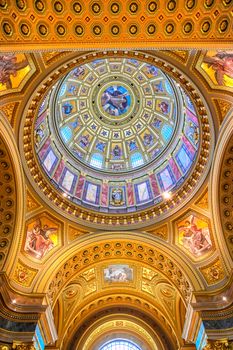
[22,315]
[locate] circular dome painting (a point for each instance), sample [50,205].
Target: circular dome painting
[115,134]
[116,115]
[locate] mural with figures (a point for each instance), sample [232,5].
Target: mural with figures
[218,65]
[194,235]
[118,122]
[118,273]
[14,69]
[41,236]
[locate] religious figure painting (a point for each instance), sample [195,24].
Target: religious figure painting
[67,108]
[115,100]
[91,192]
[118,273]
[219,67]
[117,196]
[42,236]
[79,72]
[194,235]
[13,69]
[40,133]
[163,107]
[150,71]
[116,152]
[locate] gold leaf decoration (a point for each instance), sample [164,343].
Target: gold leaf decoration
[31,202]
[161,232]
[24,275]
[213,273]
[74,233]
[9,110]
[203,202]
[223,107]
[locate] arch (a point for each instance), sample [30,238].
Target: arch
[125,344]
[82,255]
[97,160]
[224,141]
[18,192]
[136,159]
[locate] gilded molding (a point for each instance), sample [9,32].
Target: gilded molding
[72,26]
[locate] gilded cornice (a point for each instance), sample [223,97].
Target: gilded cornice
[37,25]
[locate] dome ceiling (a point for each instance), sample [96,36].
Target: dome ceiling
[116,114]
[117,135]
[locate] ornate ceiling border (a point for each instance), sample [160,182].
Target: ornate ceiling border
[39,24]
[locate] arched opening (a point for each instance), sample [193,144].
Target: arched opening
[120,344]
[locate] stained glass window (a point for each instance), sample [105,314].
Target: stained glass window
[97,160]
[120,344]
[136,160]
[66,133]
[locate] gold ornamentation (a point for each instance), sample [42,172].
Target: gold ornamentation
[23,346]
[213,273]
[225,197]
[24,275]
[9,110]
[149,274]
[85,258]
[50,57]
[7,201]
[180,55]
[203,202]
[223,107]
[89,275]
[74,233]
[161,232]
[90,288]
[146,287]
[218,345]
[31,203]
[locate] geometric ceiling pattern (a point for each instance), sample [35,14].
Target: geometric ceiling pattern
[125,119]
[122,239]
[115,24]
[154,152]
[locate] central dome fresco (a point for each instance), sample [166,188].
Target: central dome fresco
[116,115]
[116,134]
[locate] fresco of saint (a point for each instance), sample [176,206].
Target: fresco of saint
[41,237]
[219,67]
[194,235]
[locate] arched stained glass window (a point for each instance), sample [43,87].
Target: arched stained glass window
[136,160]
[120,344]
[166,132]
[66,133]
[97,160]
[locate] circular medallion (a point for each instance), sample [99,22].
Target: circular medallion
[115,101]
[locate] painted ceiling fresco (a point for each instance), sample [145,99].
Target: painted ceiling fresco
[116,133]
[14,71]
[218,65]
